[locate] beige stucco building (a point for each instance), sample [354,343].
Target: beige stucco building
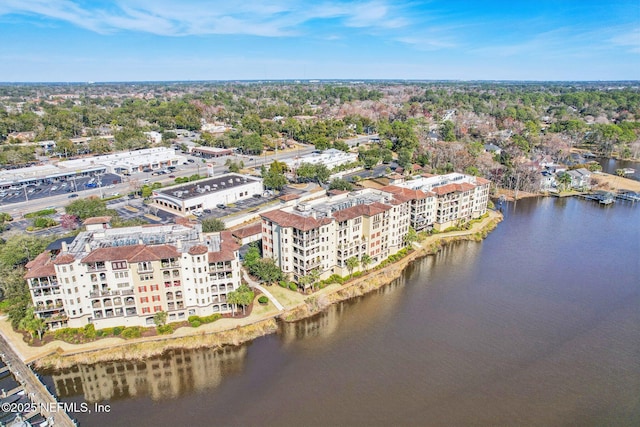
[123,276]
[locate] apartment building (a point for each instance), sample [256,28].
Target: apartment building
[446,200]
[123,276]
[323,234]
[369,224]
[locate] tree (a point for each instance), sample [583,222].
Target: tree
[210,225]
[69,222]
[243,296]
[411,236]
[274,176]
[340,184]
[65,146]
[252,256]
[267,271]
[234,166]
[365,261]
[404,158]
[160,318]
[447,131]
[87,208]
[233,298]
[352,263]
[32,323]
[564,179]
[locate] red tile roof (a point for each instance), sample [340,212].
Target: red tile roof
[250,230]
[97,220]
[286,219]
[290,196]
[360,210]
[453,188]
[64,259]
[135,253]
[198,250]
[41,266]
[228,248]
[406,192]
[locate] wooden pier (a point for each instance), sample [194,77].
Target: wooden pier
[39,395]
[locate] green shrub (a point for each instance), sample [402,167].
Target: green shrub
[117,330]
[43,212]
[42,222]
[263,300]
[283,284]
[196,321]
[90,331]
[357,274]
[165,329]
[293,286]
[131,332]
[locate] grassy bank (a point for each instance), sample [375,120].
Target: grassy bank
[149,348]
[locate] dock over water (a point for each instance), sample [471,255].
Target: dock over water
[21,389]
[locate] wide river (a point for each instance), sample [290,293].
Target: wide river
[538,325]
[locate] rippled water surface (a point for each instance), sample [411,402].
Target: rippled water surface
[537,325]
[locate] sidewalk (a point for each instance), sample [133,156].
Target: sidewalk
[256,285]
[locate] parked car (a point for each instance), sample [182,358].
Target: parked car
[221,206]
[207,211]
[172,176]
[73,196]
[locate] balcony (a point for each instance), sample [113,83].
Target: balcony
[48,307]
[48,284]
[97,294]
[174,264]
[98,266]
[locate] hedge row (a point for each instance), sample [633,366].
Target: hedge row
[196,321]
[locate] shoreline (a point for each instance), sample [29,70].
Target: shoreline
[224,332]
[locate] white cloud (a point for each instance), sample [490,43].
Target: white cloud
[193,17]
[629,39]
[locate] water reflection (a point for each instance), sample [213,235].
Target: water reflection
[318,330]
[176,373]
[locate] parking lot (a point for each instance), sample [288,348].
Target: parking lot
[54,188]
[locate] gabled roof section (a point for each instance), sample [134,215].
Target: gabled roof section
[286,219]
[228,248]
[135,253]
[64,259]
[453,188]
[250,230]
[97,220]
[361,210]
[41,266]
[406,192]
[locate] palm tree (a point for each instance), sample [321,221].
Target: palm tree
[352,263]
[564,179]
[411,236]
[365,260]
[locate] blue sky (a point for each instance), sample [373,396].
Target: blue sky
[129,40]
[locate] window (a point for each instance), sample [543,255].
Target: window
[145,266]
[154,287]
[121,274]
[146,310]
[155,298]
[157,308]
[142,289]
[119,265]
[144,299]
